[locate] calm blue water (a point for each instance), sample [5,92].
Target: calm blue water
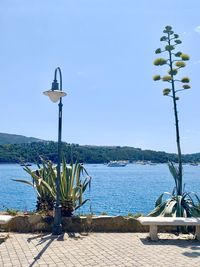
[117,191]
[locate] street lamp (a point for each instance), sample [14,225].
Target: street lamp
[55,94]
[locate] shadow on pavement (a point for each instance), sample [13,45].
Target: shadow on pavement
[49,238]
[191,244]
[193,254]
[172,242]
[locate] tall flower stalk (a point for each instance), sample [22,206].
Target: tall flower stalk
[180,203]
[175,61]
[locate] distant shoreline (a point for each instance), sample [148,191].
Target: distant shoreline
[31,152]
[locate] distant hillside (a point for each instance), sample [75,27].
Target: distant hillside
[18,148]
[16,139]
[31,152]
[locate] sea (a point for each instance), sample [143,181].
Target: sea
[114,190]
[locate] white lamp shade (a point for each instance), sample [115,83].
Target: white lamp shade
[54,95]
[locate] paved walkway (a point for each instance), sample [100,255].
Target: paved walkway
[98,249]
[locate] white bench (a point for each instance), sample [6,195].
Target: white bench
[153,223]
[5,219]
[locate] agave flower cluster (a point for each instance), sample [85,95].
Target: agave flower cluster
[74,182]
[174,62]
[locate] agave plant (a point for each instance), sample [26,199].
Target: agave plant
[180,203]
[72,187]
[43,180]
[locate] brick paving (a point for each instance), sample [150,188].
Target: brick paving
[99,249]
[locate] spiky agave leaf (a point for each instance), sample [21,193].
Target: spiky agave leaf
[175,174]
[177,206]
[74,190]
[189,208]
[160,198]
[47,175]
[169,209]
[189,195]
[157,210]
[86,200]
[24,181]
[196,196]
[41,183]
[87,183]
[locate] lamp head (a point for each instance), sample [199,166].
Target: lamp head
[54,95]
[55,85]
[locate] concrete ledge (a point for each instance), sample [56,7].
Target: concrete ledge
[102,224]
[41,223]
[30,223]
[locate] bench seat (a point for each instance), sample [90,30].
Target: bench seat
[5,219]
[153,222]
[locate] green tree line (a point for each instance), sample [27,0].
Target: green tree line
[17,153]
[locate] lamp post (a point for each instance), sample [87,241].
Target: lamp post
[55,94]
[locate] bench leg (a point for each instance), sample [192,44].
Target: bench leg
[154,232]
[197,232]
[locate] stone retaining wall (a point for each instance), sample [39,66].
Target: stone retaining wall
[40,223]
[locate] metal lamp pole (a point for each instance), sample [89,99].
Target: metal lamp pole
[56,94]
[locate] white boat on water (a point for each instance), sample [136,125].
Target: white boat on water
[25,164]
[194,164]
[119,163]
[151,163]
[141,162]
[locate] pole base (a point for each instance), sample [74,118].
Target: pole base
[57,229]
[57,226]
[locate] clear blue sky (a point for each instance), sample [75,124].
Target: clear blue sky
[105,49]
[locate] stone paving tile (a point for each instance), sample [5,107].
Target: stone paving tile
[100,250]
